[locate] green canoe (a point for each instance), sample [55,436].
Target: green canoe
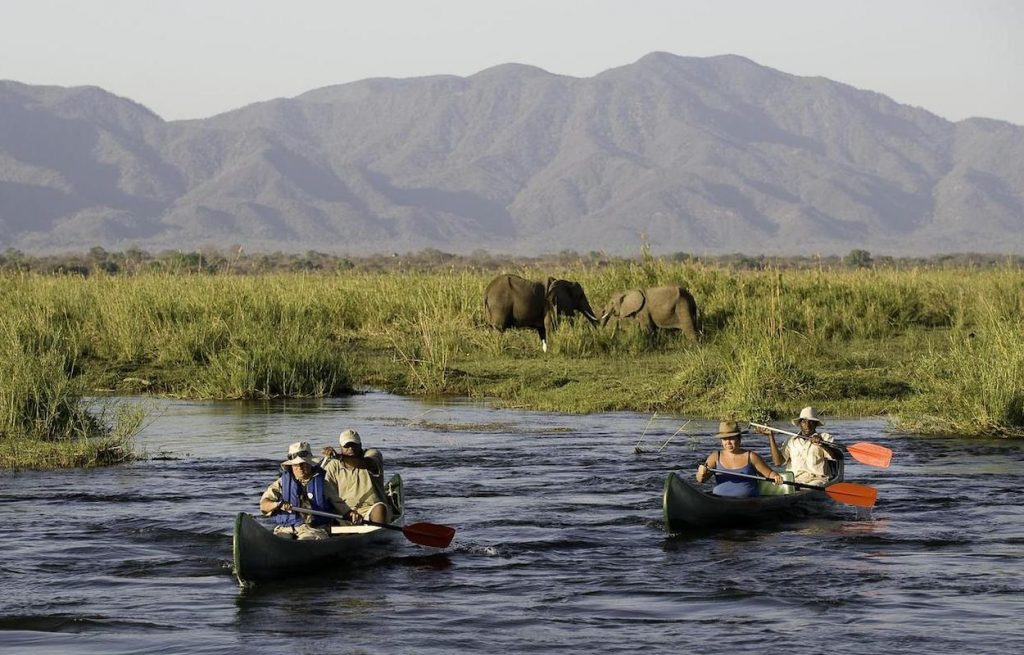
[687,506]
[259,554]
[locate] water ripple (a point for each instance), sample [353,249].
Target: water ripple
[560,545]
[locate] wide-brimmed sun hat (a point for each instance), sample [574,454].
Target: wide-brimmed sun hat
[728,429]
[349,436]
[299,453]
[810,414]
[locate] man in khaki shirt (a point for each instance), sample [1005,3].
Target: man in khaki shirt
[355,479]
[808,454]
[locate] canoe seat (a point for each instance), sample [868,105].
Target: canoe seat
[765,488]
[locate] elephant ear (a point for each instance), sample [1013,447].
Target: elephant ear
[632,302]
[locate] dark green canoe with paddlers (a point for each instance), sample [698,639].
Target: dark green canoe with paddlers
[259,554]
[686,505]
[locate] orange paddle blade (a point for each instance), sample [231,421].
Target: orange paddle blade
[871,454]
[860,495]
[429,534]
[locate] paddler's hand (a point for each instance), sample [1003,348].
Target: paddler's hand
[329,452]
[816,438]
[284,507]
[759,430]
[776,478]
[702,472]
[355,517]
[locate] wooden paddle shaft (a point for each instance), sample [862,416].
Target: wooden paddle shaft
[798,485]
[424,534]
[845,492]
[329,515]
[834,444]
[768,427]
[867,453]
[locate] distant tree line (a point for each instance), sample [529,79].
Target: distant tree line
[212,260]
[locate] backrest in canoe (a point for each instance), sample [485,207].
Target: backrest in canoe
[765,488]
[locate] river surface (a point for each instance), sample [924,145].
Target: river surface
[560,544]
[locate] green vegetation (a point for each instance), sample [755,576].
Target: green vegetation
[937,349]
[44,419]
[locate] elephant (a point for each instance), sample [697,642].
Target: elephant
[668,308]
[512,301]
[568,298]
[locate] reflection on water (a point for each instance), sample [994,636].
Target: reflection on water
[559,545]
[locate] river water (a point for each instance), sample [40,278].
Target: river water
[560,545]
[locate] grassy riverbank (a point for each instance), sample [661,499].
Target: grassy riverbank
[936,350]
[45,421]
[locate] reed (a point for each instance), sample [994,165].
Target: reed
[45,421]
[111,442]
[973,385]
[853,341]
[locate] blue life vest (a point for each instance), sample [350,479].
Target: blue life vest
[291,491]
[731,485]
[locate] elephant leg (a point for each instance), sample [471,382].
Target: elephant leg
[646,323]
[499,318]
[687,323]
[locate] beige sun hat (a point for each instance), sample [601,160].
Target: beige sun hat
[299,453]
[349,436]
[729,429]
[808,413]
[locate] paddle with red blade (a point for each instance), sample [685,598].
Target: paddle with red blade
[866,453]
[847,493]
[431,535]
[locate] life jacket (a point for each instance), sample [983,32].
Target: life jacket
[291,491]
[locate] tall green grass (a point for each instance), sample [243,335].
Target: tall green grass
[45,419]
[973,384]
[853,341]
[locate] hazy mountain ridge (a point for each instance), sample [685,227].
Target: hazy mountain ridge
[698,155]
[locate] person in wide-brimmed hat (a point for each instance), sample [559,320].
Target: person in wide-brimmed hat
[301,484]
[806,455]
[733,457]
[808,416]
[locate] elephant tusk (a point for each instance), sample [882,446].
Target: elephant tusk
[590,316]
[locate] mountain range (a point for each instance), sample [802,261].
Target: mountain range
[699,155]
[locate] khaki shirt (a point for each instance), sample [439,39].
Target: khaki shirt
[355,488]
[806,460]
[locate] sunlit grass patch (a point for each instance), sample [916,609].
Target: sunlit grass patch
[974,385]
[290,368]
[852,341]
[46,423]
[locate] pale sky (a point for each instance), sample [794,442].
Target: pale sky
[196,58]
